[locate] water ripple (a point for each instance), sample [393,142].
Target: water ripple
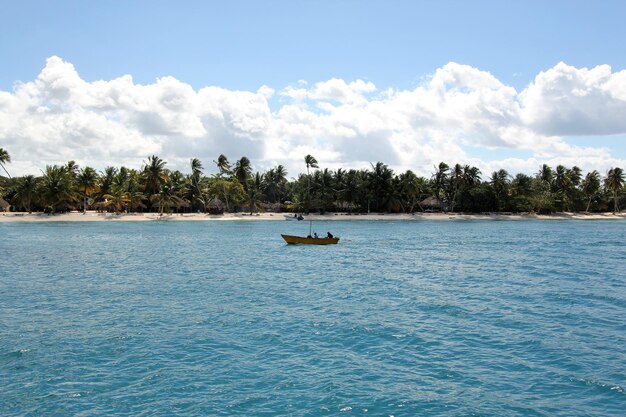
[401,318]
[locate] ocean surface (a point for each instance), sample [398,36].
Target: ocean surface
[401,318]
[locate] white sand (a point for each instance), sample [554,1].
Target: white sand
[93,216]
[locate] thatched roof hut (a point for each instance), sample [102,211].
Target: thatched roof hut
[4,205]
[431,202]
[215,206]
[215,203]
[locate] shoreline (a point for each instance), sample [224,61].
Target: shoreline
[91,216]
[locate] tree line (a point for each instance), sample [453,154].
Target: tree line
[236,187]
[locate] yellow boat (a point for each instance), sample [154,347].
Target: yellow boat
[290,239]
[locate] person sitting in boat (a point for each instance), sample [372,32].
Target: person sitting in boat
[315,235]
[329,235]
[300,217]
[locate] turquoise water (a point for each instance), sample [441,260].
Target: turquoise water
[421,318]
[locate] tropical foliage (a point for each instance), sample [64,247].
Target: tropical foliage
[4,159]
[456,188]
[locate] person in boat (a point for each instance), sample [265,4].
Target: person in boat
[315,235]
[329,235]
[300,217]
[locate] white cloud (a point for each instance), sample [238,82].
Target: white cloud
[565,100]
[59,116]
[339,90]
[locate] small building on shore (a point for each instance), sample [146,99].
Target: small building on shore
[431,203]
[215,206]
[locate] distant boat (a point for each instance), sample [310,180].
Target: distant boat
[311,239]
[290,239]
[294,217]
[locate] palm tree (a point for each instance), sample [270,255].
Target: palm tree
[192,190]
[57,187]
[224,169]
[253,192]
[575,176]
[324,187]
[223,165]
[275,180]
[196,167]
[381,184]
[228,189]
[270,186]
[339,179]
[4,159]
[521,185]
[613,182]
[154,175]
[310,162]
[72,168]
[545,174]
[500,183]
[365,191]
[591,187]
[521,190]
[203,196]
[411,187]
[121,178]
[440,180]
[574,192]
[394,201]
[133,189]
[542,196]
[179,183]
[87,180]
[471,175]
[106,180]
[280,177]
[177,180]
[166,197]
[26,192]
[281,174]
[243,171]
[350,188]
[561,185]
[117,199]
[455,183]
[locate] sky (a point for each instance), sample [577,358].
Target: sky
[493,84]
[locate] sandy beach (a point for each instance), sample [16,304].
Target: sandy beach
[94,216]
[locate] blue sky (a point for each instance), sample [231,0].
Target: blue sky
[244,45]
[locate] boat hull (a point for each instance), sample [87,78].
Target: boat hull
[292,240]
[290,217]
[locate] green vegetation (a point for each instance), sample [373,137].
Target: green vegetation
[4,159]
[458,188]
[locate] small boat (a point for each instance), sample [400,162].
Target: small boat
[290,239]
[290,217]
